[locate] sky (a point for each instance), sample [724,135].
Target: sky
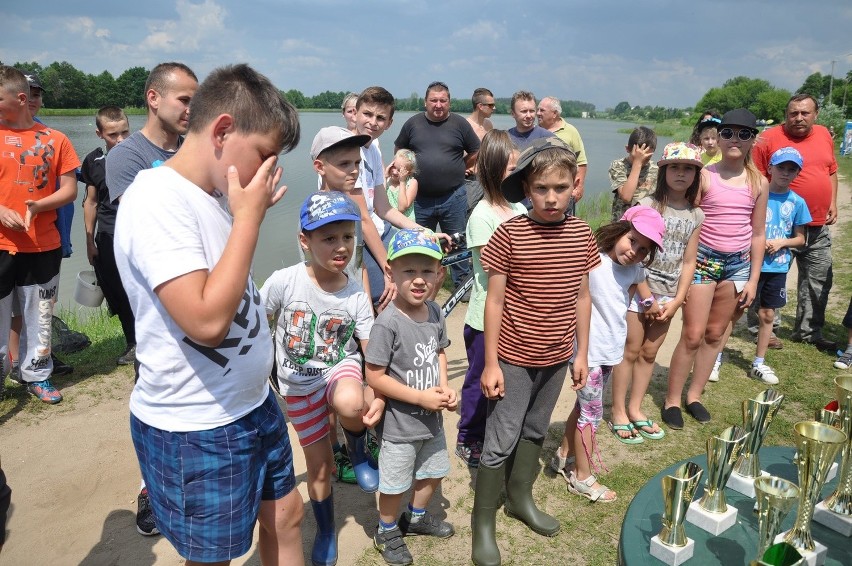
[654,52]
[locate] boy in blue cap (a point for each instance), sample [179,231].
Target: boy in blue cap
[321,314]
[406,364]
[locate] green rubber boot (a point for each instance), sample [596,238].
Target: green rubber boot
[483,520]
[522,471]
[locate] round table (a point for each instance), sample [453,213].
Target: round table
[736,545]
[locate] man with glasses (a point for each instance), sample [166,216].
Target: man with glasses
[549,116]
[445,146]
[483,108]
[817,184]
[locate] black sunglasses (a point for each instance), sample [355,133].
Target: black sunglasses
[488,104]
[743,135]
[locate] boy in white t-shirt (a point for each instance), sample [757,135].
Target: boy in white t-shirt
[321,314]
[211,440]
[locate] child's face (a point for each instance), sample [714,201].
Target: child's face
[349,115]
[550,194]
[709,140]
[400,168]
[330,246]
[735,148]
[339,168]
[783,174]
[679,176]
[373,119]
[113,133]
[415,276]
[11,104]
[35,101]
[246,152]
[631,248]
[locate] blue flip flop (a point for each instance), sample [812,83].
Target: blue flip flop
[650,424]
[615,428]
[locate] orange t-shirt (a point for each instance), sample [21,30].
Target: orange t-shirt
[30,162]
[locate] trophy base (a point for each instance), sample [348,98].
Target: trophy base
[742,484]
[834,521]
[713,523]
[815,557]
[672,555]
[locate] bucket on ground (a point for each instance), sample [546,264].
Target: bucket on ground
[87,292]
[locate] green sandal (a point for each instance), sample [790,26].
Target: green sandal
[638,425]
[616,428]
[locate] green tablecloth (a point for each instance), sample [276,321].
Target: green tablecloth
[734,546]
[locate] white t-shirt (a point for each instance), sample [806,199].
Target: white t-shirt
[314,329]
[370,176]
[168,227]
[609,286]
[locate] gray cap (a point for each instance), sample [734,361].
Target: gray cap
[332,136]
[512,186]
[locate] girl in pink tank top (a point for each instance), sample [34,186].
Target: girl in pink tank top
[733,197]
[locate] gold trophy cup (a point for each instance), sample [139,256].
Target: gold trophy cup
[817,445]
[678,491]
[840,501]
[758,414]
[775,498]
[722,451]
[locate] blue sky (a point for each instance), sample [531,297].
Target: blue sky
[600,51]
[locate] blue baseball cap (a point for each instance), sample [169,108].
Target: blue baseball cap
[407,242]
[325,207]
[786,154]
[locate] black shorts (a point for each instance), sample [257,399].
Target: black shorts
[772,290]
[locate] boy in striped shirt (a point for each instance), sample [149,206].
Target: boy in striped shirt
[538,303]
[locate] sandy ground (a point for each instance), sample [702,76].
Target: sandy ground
[75,477]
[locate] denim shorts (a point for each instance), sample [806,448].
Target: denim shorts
[421,459]
[206,486]
[772,290]
[714,267]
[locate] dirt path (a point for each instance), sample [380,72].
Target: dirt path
[74,477]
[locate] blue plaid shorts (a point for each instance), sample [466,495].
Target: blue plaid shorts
[206,486]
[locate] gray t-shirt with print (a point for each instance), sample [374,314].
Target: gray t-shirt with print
[409,350]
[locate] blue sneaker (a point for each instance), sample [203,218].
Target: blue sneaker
[45,391]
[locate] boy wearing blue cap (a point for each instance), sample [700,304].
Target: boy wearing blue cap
[786,217]
[320,312]
[406,364]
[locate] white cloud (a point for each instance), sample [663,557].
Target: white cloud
[86,27]
[482,30]
[197,25]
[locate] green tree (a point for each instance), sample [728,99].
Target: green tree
[130,88]
[621,109]
[772,104]
[65,86]
[31,68]
[104,91]
[295,97]
[758,95]
[816,85]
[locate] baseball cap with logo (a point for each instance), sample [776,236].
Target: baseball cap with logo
[410,241]
[34,81]
[512,186]
[325,207]
[333,136]
[785,154]
[647,222]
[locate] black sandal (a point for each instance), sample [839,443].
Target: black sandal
[698,412]
[672,417]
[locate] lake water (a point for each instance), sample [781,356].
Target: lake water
[277,245]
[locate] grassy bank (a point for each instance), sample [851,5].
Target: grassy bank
[85,111]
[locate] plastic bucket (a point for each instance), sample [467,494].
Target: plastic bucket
[87,292]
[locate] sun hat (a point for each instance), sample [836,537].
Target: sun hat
[410,241]
[785,154]
[325,207]
[332,136]
[740,117]
[679,152]
[512,186]
[647,222]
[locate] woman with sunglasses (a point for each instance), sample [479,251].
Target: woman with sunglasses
[733,196]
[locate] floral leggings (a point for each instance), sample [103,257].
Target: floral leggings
[590,407]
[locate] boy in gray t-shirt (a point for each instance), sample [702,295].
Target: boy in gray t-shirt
[406,363]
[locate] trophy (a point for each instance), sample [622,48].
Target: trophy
[712,513]
[780,554]
[671,545]
[775,498]
[839,503]
[818,445]
[757,416]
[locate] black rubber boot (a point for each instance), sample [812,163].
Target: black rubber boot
[523,469]
[483,520]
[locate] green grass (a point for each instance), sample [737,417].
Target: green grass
[86,111]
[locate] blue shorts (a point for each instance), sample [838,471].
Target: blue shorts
[206,486]
[772,290]
[712,266]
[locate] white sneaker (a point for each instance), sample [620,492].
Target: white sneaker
[714,375]
[764,373]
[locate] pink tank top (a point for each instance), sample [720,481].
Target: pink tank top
[727,215]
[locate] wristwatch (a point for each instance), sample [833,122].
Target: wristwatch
[647,303]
